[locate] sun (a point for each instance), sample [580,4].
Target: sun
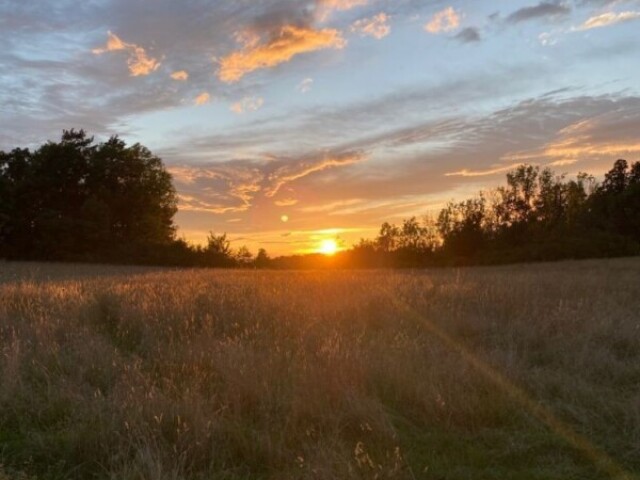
[328,247]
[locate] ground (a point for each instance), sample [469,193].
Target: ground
[518,372]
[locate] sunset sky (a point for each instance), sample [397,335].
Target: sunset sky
[288,122]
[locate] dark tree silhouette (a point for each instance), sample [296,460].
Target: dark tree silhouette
[78,200]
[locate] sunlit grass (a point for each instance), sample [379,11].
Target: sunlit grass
[128,373]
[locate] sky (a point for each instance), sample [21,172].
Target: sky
[289,122]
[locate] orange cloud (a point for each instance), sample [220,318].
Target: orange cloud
[574,148]
[329,207]
[190,175]
[202,99]
[189,203]
[443,21]
[286,202]
[343,4]
[481,173]
[582,140]
[291,173]
[376,26]
[140,64]
[247,104]
[328,6]
[608,19]
[113,44]
[180,75]
[290,42]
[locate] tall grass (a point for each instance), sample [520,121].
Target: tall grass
[145,374]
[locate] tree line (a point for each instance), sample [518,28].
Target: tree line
[78,200]
[536,216]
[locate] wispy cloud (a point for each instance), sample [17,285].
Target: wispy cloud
[328,207]
[286,202]
[217,189]
[237,185]
[376,26]
[608,19]
[443,21]
[202,99]
[180,75]
[293,171]
[247,104]
[140,64]
[289,42]
[481,173]
[326,7]
[468,35]
[606,135]
[547,39]
[191,203]
[305,85]
[541,10]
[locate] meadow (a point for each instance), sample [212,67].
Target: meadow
[514,372]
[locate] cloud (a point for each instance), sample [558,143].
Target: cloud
[606,135]
[217,189]
[482,173]
[305,85]
[397,172]
[443,21]
[180,75]
[286,202]
[542,10]
[289,42]
[326,7]
[342,4]
[288,173]
[140,64]
[547,39]
[331,206]
[247,104]
[376,26]
[603,3]
[608,19]
[190,203]
[468,35]
[237,185]
[202,99]
[114,44]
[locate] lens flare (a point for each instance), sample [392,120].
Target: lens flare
[328,247]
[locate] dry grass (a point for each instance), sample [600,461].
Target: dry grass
[523,372]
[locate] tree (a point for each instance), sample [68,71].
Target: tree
[387,239]
[615,180]
[136,188]
[78,200]
[634,174]
[461,226]
[262,259]
[243,256]
[217,252]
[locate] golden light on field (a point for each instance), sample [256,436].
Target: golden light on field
[328,247]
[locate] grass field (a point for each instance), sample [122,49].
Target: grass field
[519,372]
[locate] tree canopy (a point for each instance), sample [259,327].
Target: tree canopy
[80,200]
[537,215]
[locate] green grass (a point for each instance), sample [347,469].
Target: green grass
[519,372]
